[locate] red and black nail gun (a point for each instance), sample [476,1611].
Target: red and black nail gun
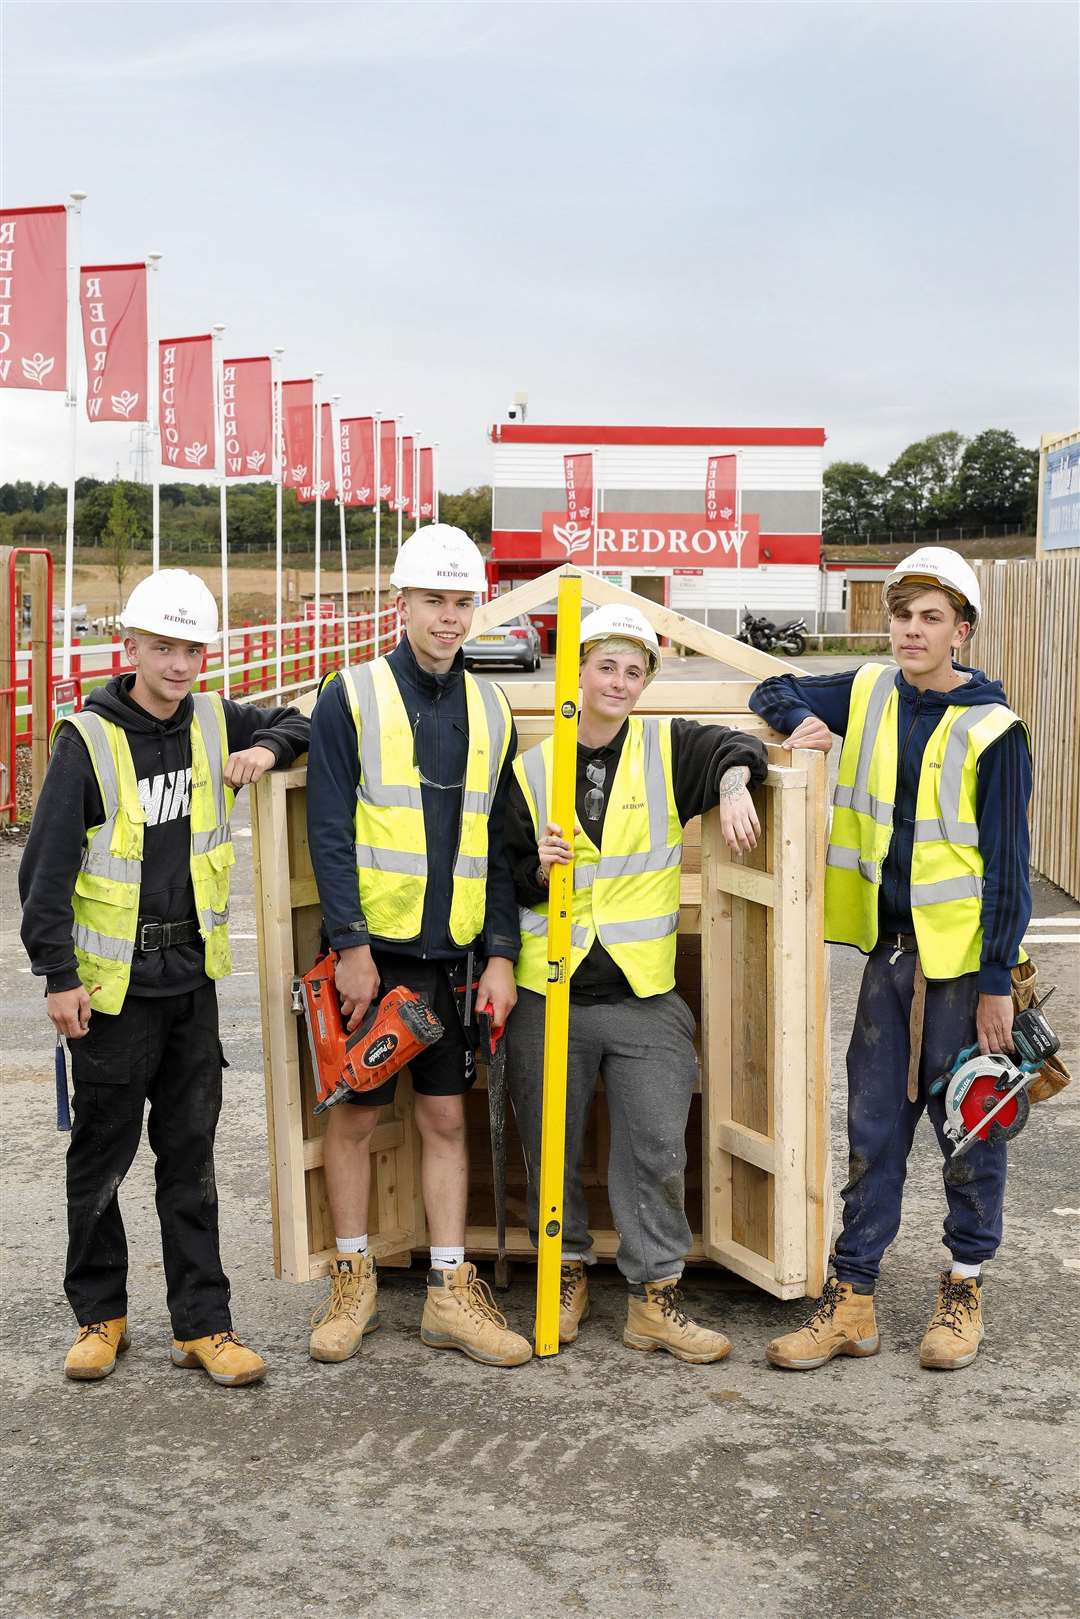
[392,1033]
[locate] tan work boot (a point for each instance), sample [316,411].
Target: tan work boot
[350,1311]
[658,1321]
[460,1314]
[842,1324]
[222,1356]
[573,1299]
[93,1354]
[956,1327]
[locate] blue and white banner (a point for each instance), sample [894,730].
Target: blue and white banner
[1061,499]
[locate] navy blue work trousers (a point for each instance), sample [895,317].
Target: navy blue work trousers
[881,1120]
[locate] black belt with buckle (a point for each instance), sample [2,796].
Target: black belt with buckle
[154,935]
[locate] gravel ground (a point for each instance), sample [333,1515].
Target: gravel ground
[408,1483]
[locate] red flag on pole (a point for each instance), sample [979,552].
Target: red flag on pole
[186,376]
[388,461]
[113,301]
[33,298]
[427,482]
[248,408]
[408,482]
[306,493]
[720,504]
[579,488]
[298,433]
[358,461]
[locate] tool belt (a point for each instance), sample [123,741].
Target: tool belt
[153,934]
[1053,1076]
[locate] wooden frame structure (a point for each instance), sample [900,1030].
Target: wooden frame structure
[750,964]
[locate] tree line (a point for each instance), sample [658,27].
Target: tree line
[944,480]
[108,514]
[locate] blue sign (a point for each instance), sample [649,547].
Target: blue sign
[1061,499]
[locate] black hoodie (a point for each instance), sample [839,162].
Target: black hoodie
[70,802]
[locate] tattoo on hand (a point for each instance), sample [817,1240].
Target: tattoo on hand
[734,781]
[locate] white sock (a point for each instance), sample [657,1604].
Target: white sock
[447,1258]
[960,1269]
[352,1245]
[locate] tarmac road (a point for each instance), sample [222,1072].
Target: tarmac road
[609,1483]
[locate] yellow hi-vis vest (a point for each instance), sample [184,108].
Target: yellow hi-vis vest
[106,898]
[391,845]
[626,893]
[946,865]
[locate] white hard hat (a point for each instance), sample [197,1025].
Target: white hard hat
[175,603]
[942,568]
[624,624]
[438,557]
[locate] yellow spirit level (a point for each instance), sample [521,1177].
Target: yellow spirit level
[557,1004]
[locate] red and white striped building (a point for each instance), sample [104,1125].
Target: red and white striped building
[651,534]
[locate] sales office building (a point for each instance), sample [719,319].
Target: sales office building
[651,533]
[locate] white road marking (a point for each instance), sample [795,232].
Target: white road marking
[1056,921]
[1052,938]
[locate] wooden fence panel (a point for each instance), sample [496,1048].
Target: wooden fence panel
[1029,639]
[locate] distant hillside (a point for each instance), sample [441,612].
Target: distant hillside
[1009,545]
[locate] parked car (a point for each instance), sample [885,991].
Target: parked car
[517,642]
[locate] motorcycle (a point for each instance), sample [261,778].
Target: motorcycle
[762,633]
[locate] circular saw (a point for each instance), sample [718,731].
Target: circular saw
[986,1092]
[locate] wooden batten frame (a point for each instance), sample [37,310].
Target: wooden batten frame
[750,964]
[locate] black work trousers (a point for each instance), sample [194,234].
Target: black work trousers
[162,1050]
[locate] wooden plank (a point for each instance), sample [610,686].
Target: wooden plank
[385,1138]
[677,697]
[716,1040]
[789,1039]
[7,683]
[40,638]
[743,882]
[746,1263]
[750,1145]
[675,626]
[481,1240]
[282,1076]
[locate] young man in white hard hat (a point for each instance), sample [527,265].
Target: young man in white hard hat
[927,875]
[125,890]
[639,781]
[407,781]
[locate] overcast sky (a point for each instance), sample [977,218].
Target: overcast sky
[858,216]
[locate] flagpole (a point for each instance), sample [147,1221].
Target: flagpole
[277,464]
[416,483]
[153,408]
[738,515]
[595,508]
[398,470]
[316,400]
[74,219]
[376,423]
[435,481]
[219,412]
[335,439]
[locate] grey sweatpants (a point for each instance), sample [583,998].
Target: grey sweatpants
[644,1051]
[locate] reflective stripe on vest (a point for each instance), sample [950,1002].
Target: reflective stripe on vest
[106,898]
[636,920]
[391,841]
[947,866]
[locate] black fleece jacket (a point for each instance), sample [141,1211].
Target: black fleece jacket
[70,802]
[437,711]
[700,754]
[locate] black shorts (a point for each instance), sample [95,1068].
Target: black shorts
[448,1068]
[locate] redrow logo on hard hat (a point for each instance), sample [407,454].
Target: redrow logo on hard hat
[172,600]
[436,556]
[614,623]
[942,569]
